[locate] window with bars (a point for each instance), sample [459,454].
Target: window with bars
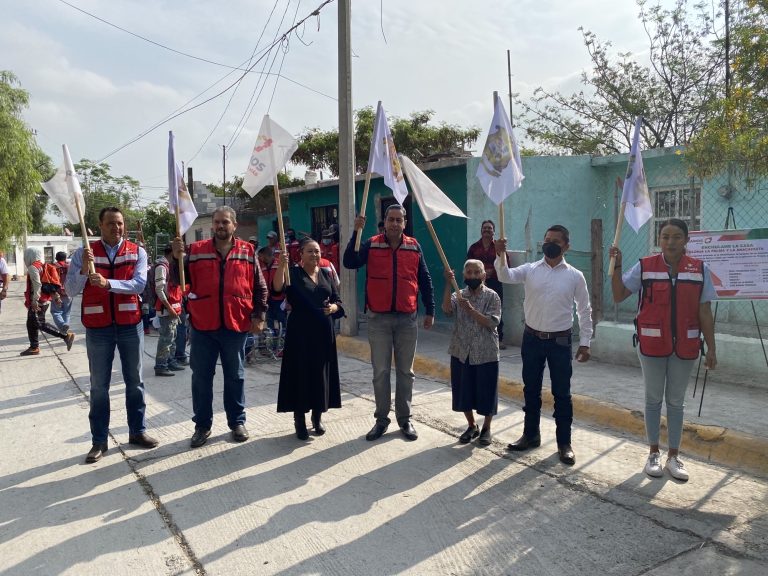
[676,202]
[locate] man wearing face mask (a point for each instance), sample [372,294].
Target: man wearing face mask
[329,249]
[551,288]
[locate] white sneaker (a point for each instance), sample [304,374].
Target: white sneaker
[653,465]
[676,468]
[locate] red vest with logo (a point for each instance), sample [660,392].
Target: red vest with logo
[331,252]
[668,317]
[102,308]
[221,298]
[392,275]
[28,292]
[172,291]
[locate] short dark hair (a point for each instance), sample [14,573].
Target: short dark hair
[265,250]
[562,229]
[106,209]
[306,240]
[674,222]
[380,224]
[167,250]
[394,207]
[484,222]
[61,256]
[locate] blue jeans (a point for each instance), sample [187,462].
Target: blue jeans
[206,347]
[387,333]
[557,354]
[665,379]
[166,343]
[181,338]
[60,313]
[101,344]
[276,315]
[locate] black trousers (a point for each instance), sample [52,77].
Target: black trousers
[36,323]
[498,287]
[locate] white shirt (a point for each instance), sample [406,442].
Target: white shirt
[550,294]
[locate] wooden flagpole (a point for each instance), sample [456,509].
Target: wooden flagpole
[435,239]
[182,279]
[616,238]
[84,232]
[362,209]
[281,230]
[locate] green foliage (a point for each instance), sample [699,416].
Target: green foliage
[736,138]
[264,201]
[673,92]
[22,164]
[156,219]
[414,136]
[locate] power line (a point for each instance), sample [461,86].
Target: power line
[246,71]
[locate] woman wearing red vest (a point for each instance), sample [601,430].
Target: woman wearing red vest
[674,311]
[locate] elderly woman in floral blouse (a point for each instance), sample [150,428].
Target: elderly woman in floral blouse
[474,349]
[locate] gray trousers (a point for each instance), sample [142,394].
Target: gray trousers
[388,333]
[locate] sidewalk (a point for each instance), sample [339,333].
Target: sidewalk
[732,429]
[337,504]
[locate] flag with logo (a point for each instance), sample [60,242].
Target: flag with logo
[635,196]
[64,190]
[500,171]
[432,201]
[178,195]
[274,147]
[383,159]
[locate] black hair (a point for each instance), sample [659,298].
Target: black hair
[167,250]
[484,222]
[306,240]
[265,250]
[394,207]
[380,224]
[106,209]
[61,256]
[563,230]
[674,222]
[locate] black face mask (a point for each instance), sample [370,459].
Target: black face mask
[551,250]
[473,283]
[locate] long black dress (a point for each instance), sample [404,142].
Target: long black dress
[309,374]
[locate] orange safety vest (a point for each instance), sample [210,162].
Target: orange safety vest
[28,292]
[331,252]
[172,291]
[102,308]
[668,315]
[392,275]
[269,274]
[221,293]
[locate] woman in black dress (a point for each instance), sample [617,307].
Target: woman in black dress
[309,375]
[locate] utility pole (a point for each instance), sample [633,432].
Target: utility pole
[224,171]
[346,165]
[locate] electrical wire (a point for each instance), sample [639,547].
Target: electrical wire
[246,71]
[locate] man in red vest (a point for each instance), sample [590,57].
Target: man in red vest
[111,314]
[395,273]
[227,300]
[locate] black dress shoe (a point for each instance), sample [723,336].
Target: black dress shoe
[143,440]
[409,431]
[96,452]
[470,433]
[524,443]
[200,437]
[317,424]
[566,454]
[239,433]
[376,432]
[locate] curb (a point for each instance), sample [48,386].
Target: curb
[710,443]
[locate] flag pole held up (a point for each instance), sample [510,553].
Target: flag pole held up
[281,231]
[635,199]
[74,191]
[382,160]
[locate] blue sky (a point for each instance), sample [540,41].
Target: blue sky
[95,87]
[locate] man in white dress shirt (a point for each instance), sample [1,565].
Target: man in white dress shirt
[551,288]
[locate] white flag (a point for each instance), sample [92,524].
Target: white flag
[500,170]
[383,157]
[432,201]
[64,190]
[638,209]
[178,193]
[274,147]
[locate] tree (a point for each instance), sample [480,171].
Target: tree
[736,138]
[672,93]
[414,137]
[22,164]
[264,201]
[156,219]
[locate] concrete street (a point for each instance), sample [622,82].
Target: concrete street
[338,504]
